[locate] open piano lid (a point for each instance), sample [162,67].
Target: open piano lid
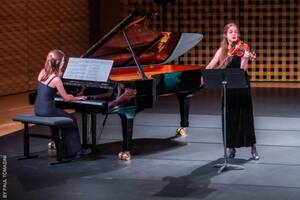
[151,47]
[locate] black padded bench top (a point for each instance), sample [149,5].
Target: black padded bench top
[46,121]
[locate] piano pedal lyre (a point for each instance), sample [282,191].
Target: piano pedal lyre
[181,132]
[124,155]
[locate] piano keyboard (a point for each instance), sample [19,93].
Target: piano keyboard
[83,102]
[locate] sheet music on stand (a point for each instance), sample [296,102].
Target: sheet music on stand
[88,69]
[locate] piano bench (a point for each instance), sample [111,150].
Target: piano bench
[55,123]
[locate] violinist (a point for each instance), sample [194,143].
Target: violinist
[233,53]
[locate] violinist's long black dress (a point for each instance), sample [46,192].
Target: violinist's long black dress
[239,113]
[45,106]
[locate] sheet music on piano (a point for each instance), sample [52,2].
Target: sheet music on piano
[88,69]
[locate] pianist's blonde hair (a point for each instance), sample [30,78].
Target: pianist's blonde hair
[52,64]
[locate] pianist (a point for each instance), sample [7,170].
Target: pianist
[49,83]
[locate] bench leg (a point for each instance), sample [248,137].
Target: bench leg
[60,145]
[59,148]
[26,140]
[26,143]
[58,140]
[59,154]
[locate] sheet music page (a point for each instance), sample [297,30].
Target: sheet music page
[88,69]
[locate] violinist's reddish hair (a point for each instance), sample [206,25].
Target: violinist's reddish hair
[224,44]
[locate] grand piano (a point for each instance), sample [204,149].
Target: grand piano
[141,72]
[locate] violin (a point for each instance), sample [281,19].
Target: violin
[239,48]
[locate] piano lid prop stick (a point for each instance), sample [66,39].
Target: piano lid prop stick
[138,64]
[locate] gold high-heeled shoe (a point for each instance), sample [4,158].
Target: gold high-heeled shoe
[254,153]
[51,146]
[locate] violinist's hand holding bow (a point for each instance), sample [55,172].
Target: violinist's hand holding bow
[245,59]
[250,56]
[247,55]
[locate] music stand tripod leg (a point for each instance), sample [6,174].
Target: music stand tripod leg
[226,166]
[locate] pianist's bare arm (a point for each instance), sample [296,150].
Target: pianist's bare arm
[62,92]
[213,63]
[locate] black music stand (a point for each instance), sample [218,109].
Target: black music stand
[225,78]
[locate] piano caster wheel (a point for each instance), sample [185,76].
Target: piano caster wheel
[180,132]
[51,146]
[124,155]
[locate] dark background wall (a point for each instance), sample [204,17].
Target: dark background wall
[30,28]
[104,15]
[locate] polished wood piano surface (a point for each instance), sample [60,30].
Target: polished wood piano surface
[138,50]
[150,71]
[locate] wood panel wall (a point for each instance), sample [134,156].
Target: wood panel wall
[29,29]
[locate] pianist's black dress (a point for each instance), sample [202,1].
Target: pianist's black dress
[45,106]
[240,125]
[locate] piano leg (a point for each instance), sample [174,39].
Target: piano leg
[84,130]
[127,129]
[86,124]
[184,106]
[94,132]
